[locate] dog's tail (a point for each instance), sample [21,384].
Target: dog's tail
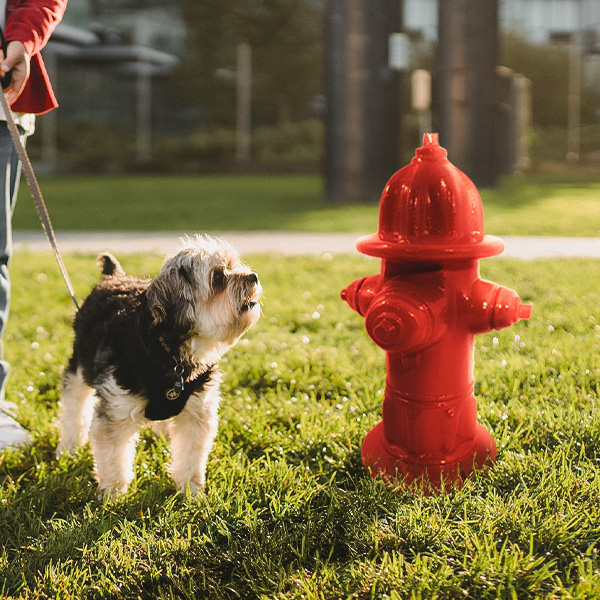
[109,265]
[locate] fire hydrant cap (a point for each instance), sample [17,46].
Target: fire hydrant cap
[430,210]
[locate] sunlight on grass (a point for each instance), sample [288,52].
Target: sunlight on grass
[518,206]
[543,209]
[289,511]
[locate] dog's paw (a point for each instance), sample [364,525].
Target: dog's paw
[65,448]
[191,488]
[107,492]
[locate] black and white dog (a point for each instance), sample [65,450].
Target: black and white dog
[147,351]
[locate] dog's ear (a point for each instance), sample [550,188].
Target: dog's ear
[172,300]
[158,300]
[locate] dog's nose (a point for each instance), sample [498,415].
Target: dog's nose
[253,278]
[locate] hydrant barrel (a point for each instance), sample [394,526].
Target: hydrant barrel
[424,310]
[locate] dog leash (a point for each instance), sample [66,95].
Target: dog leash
[32,180]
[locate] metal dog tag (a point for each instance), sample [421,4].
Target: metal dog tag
[174,392]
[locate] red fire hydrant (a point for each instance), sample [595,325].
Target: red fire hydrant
[424,309]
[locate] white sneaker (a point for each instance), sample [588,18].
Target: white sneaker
[11,433]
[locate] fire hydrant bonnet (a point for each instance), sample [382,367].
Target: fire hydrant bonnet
[430,210]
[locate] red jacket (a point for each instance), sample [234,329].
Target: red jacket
[32,22]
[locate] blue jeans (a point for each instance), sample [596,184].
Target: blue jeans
[10,172]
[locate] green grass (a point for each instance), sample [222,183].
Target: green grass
[530,205]
[289,511]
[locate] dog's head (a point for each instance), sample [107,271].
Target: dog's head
[205,290]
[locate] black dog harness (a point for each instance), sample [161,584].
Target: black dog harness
[147,372]
[168,398]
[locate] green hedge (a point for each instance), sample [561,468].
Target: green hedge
[100,148]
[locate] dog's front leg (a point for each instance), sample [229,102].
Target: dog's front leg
[192,435]
[113,445]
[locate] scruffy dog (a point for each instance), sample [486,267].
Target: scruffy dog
[147,351]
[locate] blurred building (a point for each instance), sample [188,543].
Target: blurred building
[106,59]
[573,25]
[536,20]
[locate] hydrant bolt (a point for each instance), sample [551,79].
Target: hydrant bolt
[386,328]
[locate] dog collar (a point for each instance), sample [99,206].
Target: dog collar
[178,386]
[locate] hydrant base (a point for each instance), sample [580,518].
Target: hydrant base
[394,464]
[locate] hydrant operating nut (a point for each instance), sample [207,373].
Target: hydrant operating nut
[386,328]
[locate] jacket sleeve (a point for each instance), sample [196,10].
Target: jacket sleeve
[33,21]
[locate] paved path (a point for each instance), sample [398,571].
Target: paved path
[287,243]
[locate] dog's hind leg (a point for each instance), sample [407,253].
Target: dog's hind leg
[77,409]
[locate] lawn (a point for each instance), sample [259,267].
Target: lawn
[529,205]
[289,512]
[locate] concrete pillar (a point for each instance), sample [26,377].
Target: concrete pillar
[468,54]
[363,105]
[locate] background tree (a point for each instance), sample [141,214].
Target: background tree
[286,41]
[547,66]
[286,37]
[204,77]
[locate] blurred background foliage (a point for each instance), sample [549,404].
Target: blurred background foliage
[194,104]
[547,67]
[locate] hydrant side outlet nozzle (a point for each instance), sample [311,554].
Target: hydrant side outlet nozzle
[423,309]
[360,293]
[491,306]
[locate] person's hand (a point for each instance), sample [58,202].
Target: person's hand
[17,60]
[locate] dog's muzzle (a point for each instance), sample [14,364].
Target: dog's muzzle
[253,294]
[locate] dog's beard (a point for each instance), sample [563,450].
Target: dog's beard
[231,312]
[245,292]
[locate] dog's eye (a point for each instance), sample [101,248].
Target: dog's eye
[218,279]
